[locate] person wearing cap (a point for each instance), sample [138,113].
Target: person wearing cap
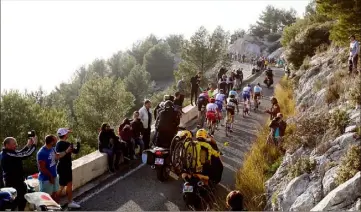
[278,128]
[13,171]
[64,167]
[354,50]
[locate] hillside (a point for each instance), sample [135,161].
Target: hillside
[321,167]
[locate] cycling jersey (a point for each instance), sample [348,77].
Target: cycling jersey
[231,103]
[246,90]
[211,107]
[220,97]
[257,89]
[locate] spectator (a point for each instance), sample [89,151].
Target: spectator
[138,130]
[177,102]
[195,81]
[275,108]
[126,135]
[278,129]
[13,172]
[47,159]
[64,167]
[181,86]
[243,58]
[145,116]
[230,82]
[105,145]
[354,50]
[210,90]
[234,201]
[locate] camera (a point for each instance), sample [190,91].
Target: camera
[31,134]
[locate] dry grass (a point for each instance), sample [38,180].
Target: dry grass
[253,174]
[262,158]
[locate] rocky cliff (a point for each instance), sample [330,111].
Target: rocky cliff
[321,167]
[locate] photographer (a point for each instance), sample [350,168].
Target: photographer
[64,169]
[12,165]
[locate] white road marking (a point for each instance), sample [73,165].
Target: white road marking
[110,184]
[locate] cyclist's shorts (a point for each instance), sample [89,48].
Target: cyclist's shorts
[231,111]
[230,116]
[219,104]
[246,96]
[200,105]
[211,116]
[257,94]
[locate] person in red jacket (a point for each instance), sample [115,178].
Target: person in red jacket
[126,134]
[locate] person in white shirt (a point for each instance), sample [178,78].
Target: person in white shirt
[354,50]
[212,110]
[145,116]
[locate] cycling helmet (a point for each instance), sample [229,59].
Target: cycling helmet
[249,85]
[258,84]
[168,104]
[213,100]
[221,91]
[231,96]
[186,134]
[201,134]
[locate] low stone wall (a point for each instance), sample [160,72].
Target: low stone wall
[95,164]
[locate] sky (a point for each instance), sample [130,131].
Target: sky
[44,42]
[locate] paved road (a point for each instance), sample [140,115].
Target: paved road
[137,189]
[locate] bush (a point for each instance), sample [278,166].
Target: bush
[306,42]
[274,47]
[273,37]
[350,165]
[322,48]
[317,85]
[339,120]
[303,165]
[284,95]
[335,88]
[355,91]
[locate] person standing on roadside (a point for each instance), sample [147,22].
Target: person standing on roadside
[47,158]
[64,167]
[354,50]
[181,87]
[145,116]
[195,81]
[13,171]
[137,130]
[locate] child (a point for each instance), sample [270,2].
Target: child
[234,201]
[246,108]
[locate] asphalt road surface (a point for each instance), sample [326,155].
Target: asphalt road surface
[137,188]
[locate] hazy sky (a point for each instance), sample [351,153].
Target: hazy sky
[44,42]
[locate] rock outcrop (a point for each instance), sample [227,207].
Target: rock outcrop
[317,188]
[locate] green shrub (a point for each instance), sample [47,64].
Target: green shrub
[350,164]
[273,37]
[273,168]
[330,165]
[355,91]
[322,48]
[303,165]
[306,42]
[339,120]
[334,88]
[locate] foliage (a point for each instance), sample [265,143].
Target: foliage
[175,43]
[140,48]
[355,91]
[284,95]
[274,47]
[101,100]
[239,33]
[347,14]
[339,120]
[306,42]
[20,113]
[317,85]
[273,20]
[273,37]
[204,51]
[334,89]
[159,62]
[139,84]
[120,64]
[350,164]
[273,168]
[306,63]
[303,165]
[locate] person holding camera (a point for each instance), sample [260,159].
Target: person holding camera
[64,169]
[12,165]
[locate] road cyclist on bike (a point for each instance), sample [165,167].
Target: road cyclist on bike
[246,93]
[257,94]
[232,105]
[212,115]
[220,98]
[202,103]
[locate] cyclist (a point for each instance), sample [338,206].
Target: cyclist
[205,158]
[233,92]
[220,98]
[246,92]
[212,112]
[257,90]
[201,103]
[232,104]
